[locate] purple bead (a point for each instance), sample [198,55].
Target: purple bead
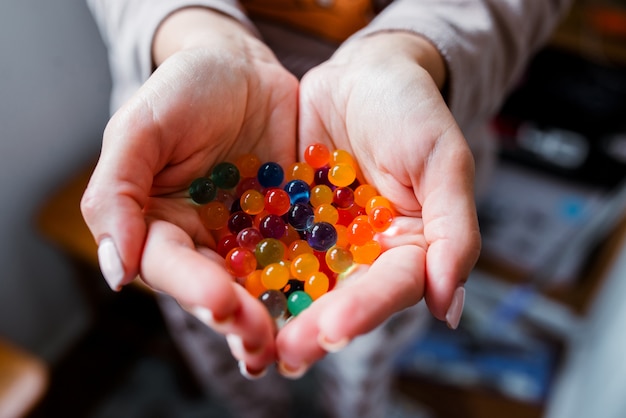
[321,176]
[322,236]
[238,221]
[301,216]
[272,226]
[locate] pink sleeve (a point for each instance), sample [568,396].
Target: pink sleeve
[127,28]
[486,44]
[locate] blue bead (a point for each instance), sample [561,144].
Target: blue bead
[298,191]
[270,175]
[322,236]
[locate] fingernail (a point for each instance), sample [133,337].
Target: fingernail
[292,372]
[110,264]
[330,346]
[235,343]
[207,317]
[250,375]
[453,316]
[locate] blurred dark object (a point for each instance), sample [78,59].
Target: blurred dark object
[567,117]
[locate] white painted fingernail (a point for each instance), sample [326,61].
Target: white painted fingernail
[243,369]
[207,317]
[453,316]
[235,343]
[110,264]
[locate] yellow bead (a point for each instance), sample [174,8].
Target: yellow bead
[326,213]
[321,194]
[275,276]
[342,175]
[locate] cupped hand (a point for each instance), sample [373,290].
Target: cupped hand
[201,106]
[379,99]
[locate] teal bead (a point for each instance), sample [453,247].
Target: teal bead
[225,175]
[298,301]
[202,190]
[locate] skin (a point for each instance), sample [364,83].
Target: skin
[376,91]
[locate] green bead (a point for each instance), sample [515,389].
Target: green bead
[202,190]
[268,251]
[225,175]
[298,301]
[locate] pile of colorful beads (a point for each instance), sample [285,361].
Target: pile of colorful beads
[288,235]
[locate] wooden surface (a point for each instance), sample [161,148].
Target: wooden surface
[61,221]
[23,380]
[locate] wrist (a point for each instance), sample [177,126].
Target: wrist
[199,27]
[384,47]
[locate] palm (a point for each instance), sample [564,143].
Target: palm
[197,109]
[382,115]
[197,130]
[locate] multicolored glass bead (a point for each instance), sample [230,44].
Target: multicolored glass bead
[289,235]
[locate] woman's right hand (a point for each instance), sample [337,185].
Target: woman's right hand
[217,93]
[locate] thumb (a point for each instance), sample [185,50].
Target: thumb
[112,205]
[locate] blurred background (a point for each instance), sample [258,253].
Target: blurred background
[542,333]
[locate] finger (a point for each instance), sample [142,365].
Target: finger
[394,282]
[199,282]
[450,227]
[113,201]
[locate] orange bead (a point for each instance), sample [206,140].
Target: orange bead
[298,247]
[317,155]
[366,253]
[377,201]
[300,171]
[360,231]
[380,218]
[342,236]
[340,156]
[248,165]
[252,202]
[290,236]
[254,285]
[214,215]
[316,285]
[363,193]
